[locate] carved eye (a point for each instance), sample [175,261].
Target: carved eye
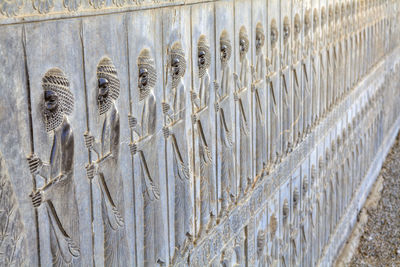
[102,83]
[51,99]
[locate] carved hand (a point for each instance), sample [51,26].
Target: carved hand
[89,140]
[132,121]
[165,107]
[166,132]
[194,118]
[37,198]
[216,86]
[216,106]
[235,96]
[133,148]
[35,163]
[91,170]
[235,77]
[193,96]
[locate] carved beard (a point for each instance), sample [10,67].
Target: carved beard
[53,119]
[202,71]
[144,91]
[175,80]
[104,104]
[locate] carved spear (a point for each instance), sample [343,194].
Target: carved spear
[87,130]
[131,133]
[34,186]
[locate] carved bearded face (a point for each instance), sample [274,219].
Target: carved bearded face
[274,33]
[225,48]
[297,26]
[108,85]
[243,42]
[286,30]
[147,75]
[58,99]
[260,37]
[178,64]
[203,56]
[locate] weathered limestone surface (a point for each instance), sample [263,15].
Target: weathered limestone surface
[191,133]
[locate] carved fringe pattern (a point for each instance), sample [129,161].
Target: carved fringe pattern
[56,81]
[114,239]
[107,70]
[12,239]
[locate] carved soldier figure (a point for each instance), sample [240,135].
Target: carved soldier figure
[58,192]
[315,70]
[224,122]
[285,235]
[242,105]
[297,83]
[202,133]
[330,60]
[306,80]
[144,146]
[272,78]
[294,227]
[322,65]
[258,89]
[175,132]
[273,240]
[106,167]
[286,91]
[261,242]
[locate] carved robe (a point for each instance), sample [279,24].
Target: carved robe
[306,85]
[203,152]
[60,199]
[149,176]
[177,144]
[260,136]
[298,98]
[287,132]
[274,125]
[244,127]
[112,197]
[225,138]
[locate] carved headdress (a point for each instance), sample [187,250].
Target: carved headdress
[224,41]
[56,81]
[145,61]
[260,34]
[178,53]
[203,46]
[107,70]
[243,39]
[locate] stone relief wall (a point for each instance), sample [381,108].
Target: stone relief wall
[191,133]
